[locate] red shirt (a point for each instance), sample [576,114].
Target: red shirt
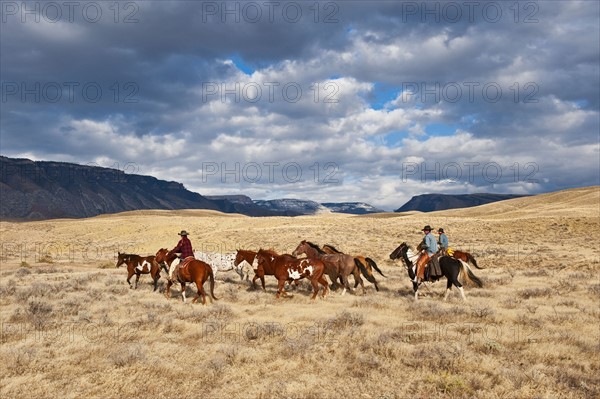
[185,247]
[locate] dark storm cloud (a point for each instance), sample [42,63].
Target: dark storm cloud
[153,62]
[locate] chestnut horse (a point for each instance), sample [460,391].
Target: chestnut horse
[244,260]
[464,256]
[286,268]
[193,271]
[336,265]
[451,269]
[456,254]
[366,265]
[139,265]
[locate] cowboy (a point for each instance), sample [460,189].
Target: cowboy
[429,249]
[184,248]
[442,240]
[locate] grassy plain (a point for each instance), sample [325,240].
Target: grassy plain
[71,327]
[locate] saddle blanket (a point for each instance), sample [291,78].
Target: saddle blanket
[186,262]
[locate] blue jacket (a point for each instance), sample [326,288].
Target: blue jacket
[431,243]
[444,241]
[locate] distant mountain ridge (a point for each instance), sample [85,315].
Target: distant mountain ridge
[295,207]
[39,190]
[440,202]
[354,208]
[300,207]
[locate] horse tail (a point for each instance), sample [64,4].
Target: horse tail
[471,259]
[211,276]
[372,263]
[369,276]
[469,276]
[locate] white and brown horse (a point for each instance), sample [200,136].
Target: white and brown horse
[139,265]
[336,265]
[451,269]
[286,268]
[219,262]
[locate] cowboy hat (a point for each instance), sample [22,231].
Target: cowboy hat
[440,230]
[427,228]
[183,233]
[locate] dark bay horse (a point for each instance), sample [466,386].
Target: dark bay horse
[361,262]
[451,269]
[336,265]
[286,268]
[139,265]
[193,271]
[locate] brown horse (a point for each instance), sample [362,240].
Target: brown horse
[286,268]
[139,265]
[456,254]
[336,265]
[249,257]
[464,256]
[193,271]
[366,265]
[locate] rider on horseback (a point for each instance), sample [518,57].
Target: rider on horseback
[443,241]
[430,249]
[184,246]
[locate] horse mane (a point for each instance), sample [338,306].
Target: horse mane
[270,251]
[315,246]
[334,249]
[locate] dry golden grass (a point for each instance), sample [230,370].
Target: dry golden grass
[71,327]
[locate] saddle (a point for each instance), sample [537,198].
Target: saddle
[433,271]
[186,262]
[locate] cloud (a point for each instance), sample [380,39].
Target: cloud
[347,101]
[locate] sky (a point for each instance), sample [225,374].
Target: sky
[370,101]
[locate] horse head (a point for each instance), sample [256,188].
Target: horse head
[121,258]
[163,257]
[397,253]
[300,249]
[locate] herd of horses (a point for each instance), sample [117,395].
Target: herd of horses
[290,268]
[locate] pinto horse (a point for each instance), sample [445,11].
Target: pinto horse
[367,264]
[336,265]
[451,269]
[286,268]
[267,269]
[194,271]
[139,265]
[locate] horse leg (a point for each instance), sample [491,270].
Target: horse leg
[183,291]
[323,282]
[201,292]
[315,286]
[155,278]
[129,275]
[137,278]
[346,284]
[416,289]
[168,289]
[280,289]
[254,281]
[448,289]
[362,284]
[262,281]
